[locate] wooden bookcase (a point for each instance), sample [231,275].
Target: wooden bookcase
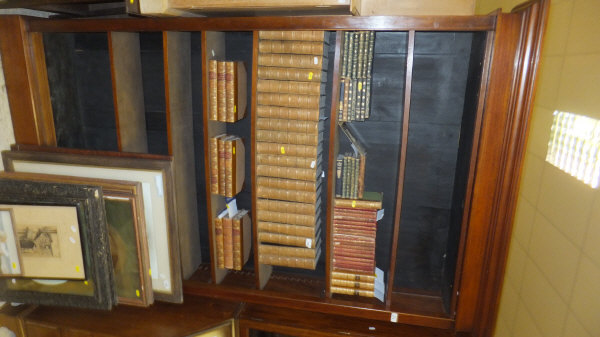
[451,102]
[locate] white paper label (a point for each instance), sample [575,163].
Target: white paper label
[72,240]
[379,291]
[380,214]
[212,52]
[308,243]
[73,229]
[312,164]
[323,174]
[316,60]
[394,317]
[159,185]
[232,207]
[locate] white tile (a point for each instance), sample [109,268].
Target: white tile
[508,306]
[523,223]
[586,296]
[557,28]
[584,28]
[540,130]
[524,324]
[531,176]
[591,246]
[574,329]
[580,84]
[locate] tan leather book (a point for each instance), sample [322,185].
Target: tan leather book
[212,90]
[291,47]
[214,164]
[307,174]
[285,239]
[352,284]
[234,165]
[290,87]
[288,184]
[242,229]
[292,61]
[288,219]
[290,261]
[221,92]
[297,35]
[287,149]
[313,114]
[287,161]
[286,195]
[297,138]
[221,163]
[219,242]
[289,74]
[236,91]
[288,100]
[288,229]
[356,277]
[287,125]
[370,200]
[228,241]
[290,207]
[307,253]
[352,291]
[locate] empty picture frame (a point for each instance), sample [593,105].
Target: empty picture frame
[156,178]
[10,256]
[124,206]
[93,234]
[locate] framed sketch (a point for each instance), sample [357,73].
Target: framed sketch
[10,256]
[124,207]
[87,203]
[49,241]
[156,178]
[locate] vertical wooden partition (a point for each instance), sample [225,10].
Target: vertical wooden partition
[128,95]
[178,95]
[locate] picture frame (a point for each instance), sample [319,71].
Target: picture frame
[10,254]
[155,173]
[88,202]
[124,208]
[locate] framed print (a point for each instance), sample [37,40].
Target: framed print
[88,205]
[10,256]
[124,207]
[156,178]
[49,241]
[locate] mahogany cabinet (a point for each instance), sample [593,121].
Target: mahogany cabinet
[451,100]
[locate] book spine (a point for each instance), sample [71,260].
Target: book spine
[289,87]
[288,184]
[341,101]
[347,100]
[353,253]
[237,243]
[352,284]
[219,241]
[346,175]
[291,61]
[360,204]
[287,161]
[296,138]
[228,242]
[317,35]
[287,229]
[352,291]
[355,178]
[212,90]
[290,47]
[290,207]
[292,113]
[345,55]
[357,277]
[287,149]
[286,195]
[287,261]
[230,92]
[221,92]
[287,218]
[288,100]
[222,173]
[277,124]
[289,74]
[229,174]
[370,55]
[307,253]
[339,164]
[286,172]
[284,239]
[361,175]
[214,166]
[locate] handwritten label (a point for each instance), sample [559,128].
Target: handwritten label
[394,317]
[316,60]
[312,164]
[308,243]
[72,240]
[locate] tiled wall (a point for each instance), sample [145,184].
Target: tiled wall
[552,283]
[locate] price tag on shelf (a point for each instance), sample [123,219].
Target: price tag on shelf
[231,207]
[380,214]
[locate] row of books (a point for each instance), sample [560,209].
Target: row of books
[227,165]
[232,237]
[355,79]
[289,138]
[354,232]
[350,176]
[227,90]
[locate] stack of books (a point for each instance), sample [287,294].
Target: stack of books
[226,91]
[350,168]
[289,142]
[227,165]
[232,236]
[354,234]
[355,80]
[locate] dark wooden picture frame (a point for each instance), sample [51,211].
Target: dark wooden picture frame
[94,238]
[128,192]
[159,165]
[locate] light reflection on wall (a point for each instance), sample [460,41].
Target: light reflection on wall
[574,146]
